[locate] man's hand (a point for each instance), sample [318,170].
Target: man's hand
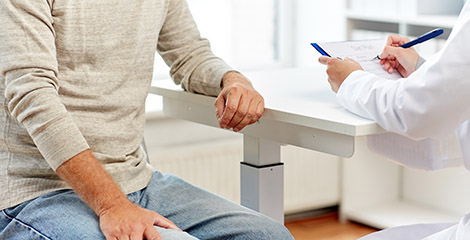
[129,221]
[404,60]
[338,70]
[239,104]
[119,218]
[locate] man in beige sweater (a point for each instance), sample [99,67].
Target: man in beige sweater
[74,78]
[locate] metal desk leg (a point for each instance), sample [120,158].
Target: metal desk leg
[262,177]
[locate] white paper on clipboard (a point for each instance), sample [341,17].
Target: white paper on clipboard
[363,52]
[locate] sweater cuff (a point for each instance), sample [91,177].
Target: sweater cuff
[207,78]
[60,141]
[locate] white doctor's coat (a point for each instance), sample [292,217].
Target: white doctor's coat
[432,102]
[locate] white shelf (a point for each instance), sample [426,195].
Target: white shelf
[392,214]
[444,21]
[372,17]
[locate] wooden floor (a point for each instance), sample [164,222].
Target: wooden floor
[327,227]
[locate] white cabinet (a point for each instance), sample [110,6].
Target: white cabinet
[378,18]
[382,194]
[376,191]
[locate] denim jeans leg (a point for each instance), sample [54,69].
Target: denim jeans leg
[63,215]
[59,215]
[56,215]
[11,228]
[205,215]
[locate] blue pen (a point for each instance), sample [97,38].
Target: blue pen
[429,35]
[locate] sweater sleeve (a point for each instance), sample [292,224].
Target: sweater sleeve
[189,56]
[29,68]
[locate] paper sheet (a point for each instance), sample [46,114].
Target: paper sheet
[363,52]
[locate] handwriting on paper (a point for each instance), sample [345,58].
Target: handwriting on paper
[363,52]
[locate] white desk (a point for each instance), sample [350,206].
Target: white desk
[301,110]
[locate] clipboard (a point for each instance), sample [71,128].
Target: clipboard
[362,51]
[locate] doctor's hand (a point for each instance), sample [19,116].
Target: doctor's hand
[238,104]
[338,70]
[404,60]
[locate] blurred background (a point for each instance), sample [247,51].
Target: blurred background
[259,35]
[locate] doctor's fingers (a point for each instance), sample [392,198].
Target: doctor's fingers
[334,85]
[387,65]
[392,53]
[331,63]
[396,40]
[325,60]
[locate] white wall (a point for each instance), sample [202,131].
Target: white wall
[316,21]
[446,190]
[303,22]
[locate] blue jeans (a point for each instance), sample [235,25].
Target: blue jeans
[200,214]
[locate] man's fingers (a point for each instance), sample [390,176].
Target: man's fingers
[119,233]
[231,107]
[165,223]
[136,235]
[259,109]
[248,116]
[245,122]
[236,110]
[242,112]
[151,233]
[136,232]
[219,106]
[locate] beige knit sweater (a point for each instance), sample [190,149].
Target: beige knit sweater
[75,74]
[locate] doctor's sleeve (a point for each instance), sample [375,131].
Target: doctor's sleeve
[432,102]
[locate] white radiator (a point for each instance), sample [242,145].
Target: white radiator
[213,166]
[210,158]
[310,182]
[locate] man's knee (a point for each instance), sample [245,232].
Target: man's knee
[263,227]
[276,230]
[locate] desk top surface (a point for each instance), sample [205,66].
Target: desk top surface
[295,95]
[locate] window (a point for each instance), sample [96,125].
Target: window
[242,32]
